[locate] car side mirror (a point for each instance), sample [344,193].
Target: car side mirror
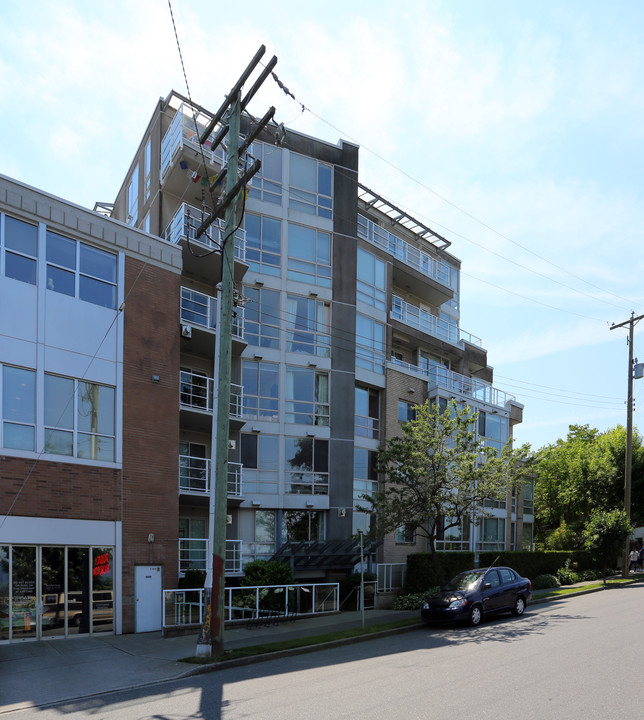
[486,586]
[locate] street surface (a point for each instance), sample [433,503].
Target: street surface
[576,659]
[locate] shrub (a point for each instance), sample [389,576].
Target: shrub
[542,582]
[591,575]
[267,572]
[425,570]
[566,575]
[415,601]
[193,579]
[349,589]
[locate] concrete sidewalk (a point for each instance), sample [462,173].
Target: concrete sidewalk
[40,673]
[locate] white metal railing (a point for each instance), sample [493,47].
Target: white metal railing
[390,576]
[456,383]
[436,327]
[182,131]
[186,606]
[187,219]
[197,308]
[404,251]
[193,554]
[235,472]
[194,474]
[196,393]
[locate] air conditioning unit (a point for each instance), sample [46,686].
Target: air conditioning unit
[229,519]
[342,512]
[186,331]
[232,445]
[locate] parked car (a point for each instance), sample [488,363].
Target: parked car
[475,593]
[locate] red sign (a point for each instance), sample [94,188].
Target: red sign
[101,564]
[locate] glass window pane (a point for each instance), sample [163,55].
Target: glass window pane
[18,437]
[59,402]
[19,394]
[249,450]
[268,452]
[95,408]
[324,179]
[97,292]
[20,268]
[59,442]
[20,236]
[95,447]
[62,281]
[97,263]
[303,172]
[61,251]
[301,242]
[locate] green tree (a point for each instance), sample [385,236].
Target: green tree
[605,535]
[438,475]
[582,473]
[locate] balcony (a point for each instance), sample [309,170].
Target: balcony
[182,157]
[455,383]
[194,477]
[181,231]
[200,312]
[193,553]
[434,285]
[424,321]
[196,401]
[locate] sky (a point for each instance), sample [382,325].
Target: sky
[514,129]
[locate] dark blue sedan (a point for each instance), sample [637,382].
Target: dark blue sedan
[475,593]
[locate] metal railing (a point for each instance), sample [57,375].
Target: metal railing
[196,393]
[404,251]
[235,475]
[243,604]
[423,320]
[200,309]
[193,554]
[194,474]
[390,576]
[456,383]
[187,219]
[182,132]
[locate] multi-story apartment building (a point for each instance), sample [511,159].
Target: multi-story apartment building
[347,315]
[89,358]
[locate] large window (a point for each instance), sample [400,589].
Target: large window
[406,411]
[147,164]
[80,270]
[20,248]
[307,396]
[309,255]
[259,458]
[528,497]
[492,534]
[79,418]
[367,415]
[18,408]
[302,526]
[370,344]
[261,390]
[371,280]
[263,243]
[262,317]
[307,466]
[310,186]
[494,428]
[266,185]
[307,326]
[456,537]
[365,482]
[133,198]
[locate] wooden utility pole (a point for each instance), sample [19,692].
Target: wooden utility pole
[211,638]
[628,464]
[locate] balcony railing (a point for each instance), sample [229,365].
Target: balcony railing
[423,320]
[235,473]
[182,131]
[193,553]
[404,251]
[200,309]
[194,474]
[196,393]
[456,383]
[184,225]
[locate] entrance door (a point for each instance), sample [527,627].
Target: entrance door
[148,593]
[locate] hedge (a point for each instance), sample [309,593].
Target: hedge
[425,570]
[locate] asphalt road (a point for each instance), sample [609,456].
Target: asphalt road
[576,659]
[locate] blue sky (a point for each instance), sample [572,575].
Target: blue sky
[514,129]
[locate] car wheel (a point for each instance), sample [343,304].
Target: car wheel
[519,607]
[476,615]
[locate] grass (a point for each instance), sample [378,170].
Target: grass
[294,643]
[558,592]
